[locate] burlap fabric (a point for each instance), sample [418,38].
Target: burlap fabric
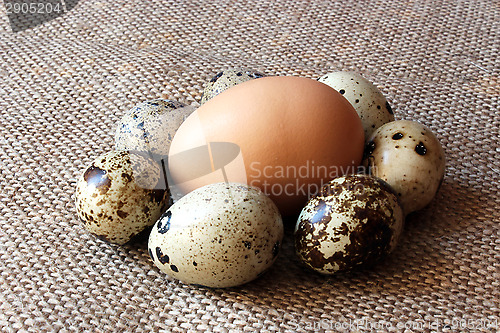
[64,84]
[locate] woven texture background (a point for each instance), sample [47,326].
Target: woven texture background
[64,85]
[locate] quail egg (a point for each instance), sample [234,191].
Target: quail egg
[354,221]
[408,156]
[150,126]
[225,80]
[220,235]
[120,194]
[366,98]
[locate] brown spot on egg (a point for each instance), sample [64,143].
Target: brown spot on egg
[397,136]
[163,258]
[343,229]
[307,238]
[157,195]
[121,214]
[421,149]
[127,177]
[315,258]
[97,177]
[87,218]
[369,240]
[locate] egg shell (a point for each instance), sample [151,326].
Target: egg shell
[408,156]
[355,221]
[285,135]
[225,80]
[150,126]
[119,195]
[220,235]
[370,104]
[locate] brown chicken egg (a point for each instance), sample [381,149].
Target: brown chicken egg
[285,135]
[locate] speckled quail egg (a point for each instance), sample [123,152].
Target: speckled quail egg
[220,235]
[225,80]
[366,98]
[408,156]
[121,194]
[150,126]
[354,221]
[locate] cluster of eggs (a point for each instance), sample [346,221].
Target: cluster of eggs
[214,182]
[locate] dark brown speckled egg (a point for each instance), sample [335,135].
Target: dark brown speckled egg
[121,194]
[354,221]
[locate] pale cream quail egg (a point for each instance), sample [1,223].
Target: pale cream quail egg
[219,235]
[151,126]
[408,156]
[225,80]
[354,221]
[120,194]
[370,104]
